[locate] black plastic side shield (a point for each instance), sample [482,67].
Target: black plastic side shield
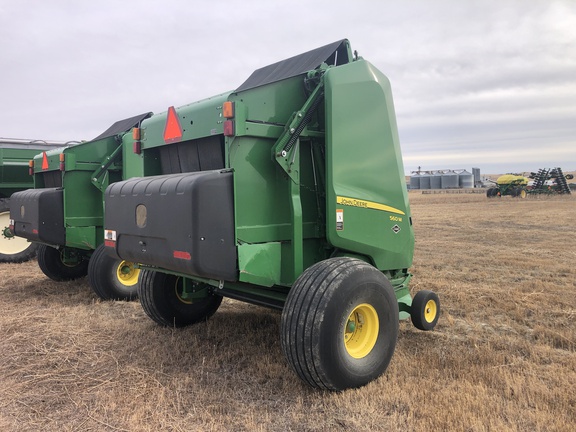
[38,215]
[179,222]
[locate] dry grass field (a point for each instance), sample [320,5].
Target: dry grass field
[502,358]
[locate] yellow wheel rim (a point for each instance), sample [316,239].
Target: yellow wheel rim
[430,311]
[127,274]
[179,289]
[9,244]
[522,193]
[361,331]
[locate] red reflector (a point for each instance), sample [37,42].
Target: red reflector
[61,166]
[44,161]
[31,171]
[229,128]
[34,231]
[172,130]
[137,147]
[109,243]
[182,255]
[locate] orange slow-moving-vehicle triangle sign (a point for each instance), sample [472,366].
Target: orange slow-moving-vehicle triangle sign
[44,161]
[172,130]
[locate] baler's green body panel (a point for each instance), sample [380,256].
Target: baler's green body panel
[262,205]
[83,211]
[360,137]
[264,220]
[365,176]
[197,120]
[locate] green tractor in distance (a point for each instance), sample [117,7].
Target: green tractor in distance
[15,155]
[63,214]
[287,192]
[509,184]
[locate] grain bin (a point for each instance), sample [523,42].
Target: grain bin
[415,181]
[436,180]
[449,180]
[425,181]
[476,174]
[466,180]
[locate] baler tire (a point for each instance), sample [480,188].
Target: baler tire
[425,310]
[13,249]
[340,324]
[105,277]
[51,264]
[159,297]
[522,193]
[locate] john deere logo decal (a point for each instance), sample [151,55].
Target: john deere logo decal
[396,229]
[353,202]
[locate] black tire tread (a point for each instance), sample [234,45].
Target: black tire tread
[418,303]
[151,283]
[101,276]
[147,299]
[307,298]
[51,265]
[303,303]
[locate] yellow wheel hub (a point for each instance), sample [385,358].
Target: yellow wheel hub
[430,311]
[127,274]
[361,332]
[179,290]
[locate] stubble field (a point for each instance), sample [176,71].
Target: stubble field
[502,358]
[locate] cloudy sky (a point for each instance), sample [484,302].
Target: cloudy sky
[489,84]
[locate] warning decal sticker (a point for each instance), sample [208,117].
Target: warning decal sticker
[339,219]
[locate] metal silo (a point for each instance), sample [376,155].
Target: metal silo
[449,180]
[415,181]
[476,174]
[425,181]
[466,180]
[436,180]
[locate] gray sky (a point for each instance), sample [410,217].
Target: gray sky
[489,84]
